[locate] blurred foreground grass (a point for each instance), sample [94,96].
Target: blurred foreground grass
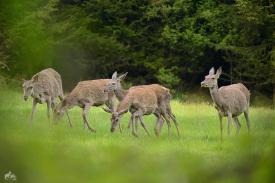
[61,154]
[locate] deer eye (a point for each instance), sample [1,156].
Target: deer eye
[113,83]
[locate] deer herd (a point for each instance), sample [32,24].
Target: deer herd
[46,86]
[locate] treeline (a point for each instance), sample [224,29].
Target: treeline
[174,42]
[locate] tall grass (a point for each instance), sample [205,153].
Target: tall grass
[37,153]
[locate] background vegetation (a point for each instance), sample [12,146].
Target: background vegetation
[173,42]
[59,154]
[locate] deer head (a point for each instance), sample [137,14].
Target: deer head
[211,80]
[115,83]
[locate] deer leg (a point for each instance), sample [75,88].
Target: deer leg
[53,105]
[246,115]
[159,123]
[169,112]
[236,122]
[69,120]
[143,125]
[168,123]
[172,116]
[85,126]
[221,125]
[239,124]
[34,103]
[49,104]
[84,115]
[61,98]
[134,121]
[159,120]
[130,121]
[229,119]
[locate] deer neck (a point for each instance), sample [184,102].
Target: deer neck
[70,102]
[124,105]
[120,93]
[215,95]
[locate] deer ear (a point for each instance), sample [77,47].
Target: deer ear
[106,109]
[114,75]
[123,76]
[212,71]
[219,72]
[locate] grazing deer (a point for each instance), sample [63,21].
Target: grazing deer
[44,87]
[139,101]
[162,94]
[230,101]
[87,94]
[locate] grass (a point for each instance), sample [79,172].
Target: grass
[41,154]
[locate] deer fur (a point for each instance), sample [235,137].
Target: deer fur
[162,94]
[44,87]
[230,101]
[86,94]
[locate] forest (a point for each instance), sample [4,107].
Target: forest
[172,42]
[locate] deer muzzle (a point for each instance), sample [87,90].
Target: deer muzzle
[113,129]
[203,84]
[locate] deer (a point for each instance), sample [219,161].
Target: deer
[230,101]
[85,95]
[162,94]
[44,87]
[139,101]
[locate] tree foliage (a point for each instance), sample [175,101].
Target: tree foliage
[173,42]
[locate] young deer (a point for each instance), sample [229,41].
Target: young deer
[162,94]
[87,94]
[230,101]
[139,101]
[44,87]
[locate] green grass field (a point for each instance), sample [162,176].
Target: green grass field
[41,154]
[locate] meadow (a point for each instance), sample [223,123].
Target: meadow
[39,153]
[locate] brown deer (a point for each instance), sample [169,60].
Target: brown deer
[85,95]
[162,94]
[139,101]
[230,101]
[44,87]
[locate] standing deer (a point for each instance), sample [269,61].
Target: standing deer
[85,95]
[139,101]
[230,101]
[162,94]
[44,87]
